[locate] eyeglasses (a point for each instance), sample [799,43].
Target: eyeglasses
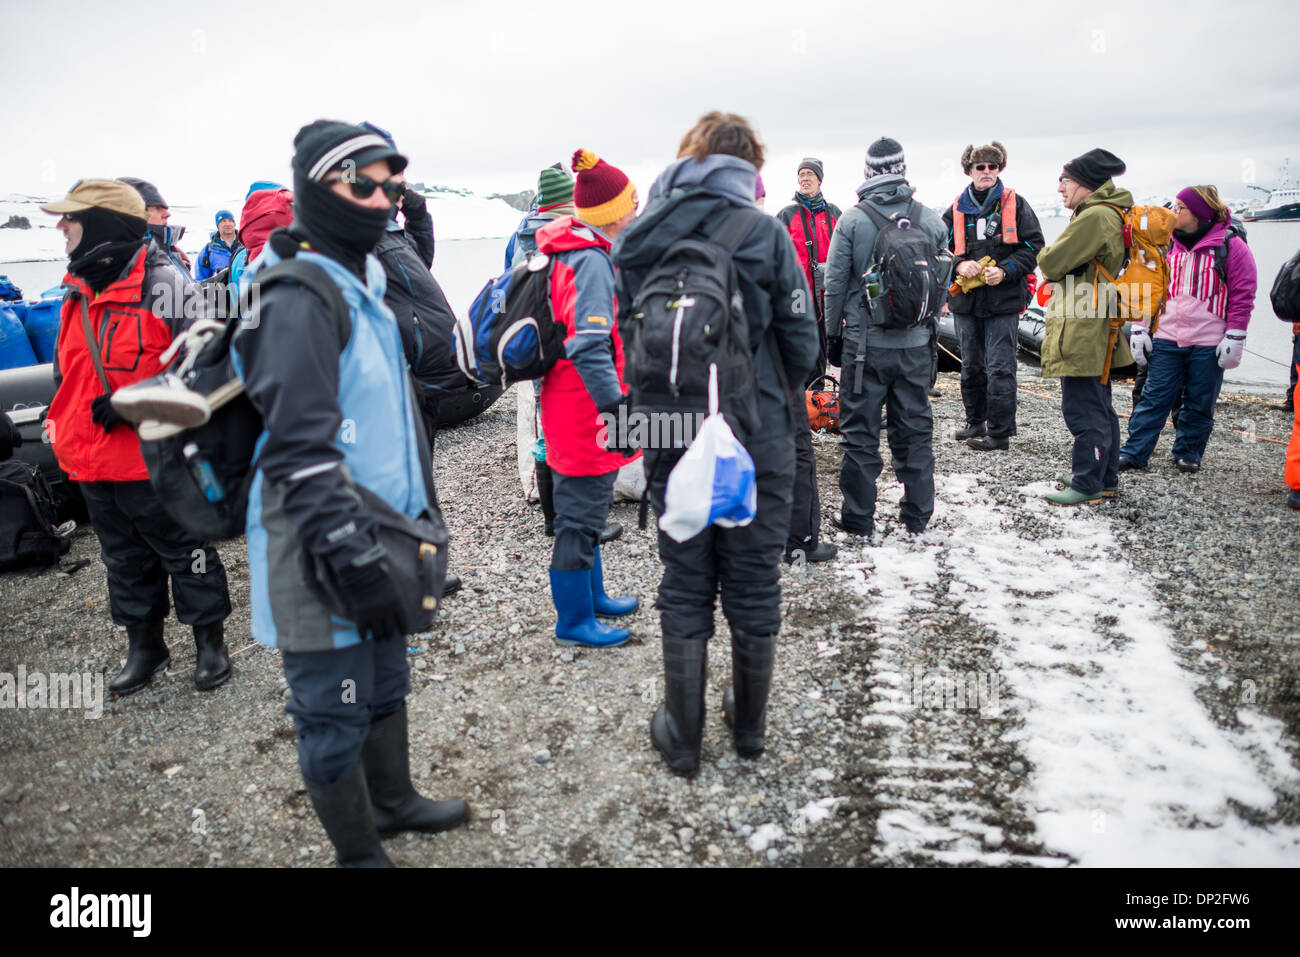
[1177,207]
[363,187]
[987,167]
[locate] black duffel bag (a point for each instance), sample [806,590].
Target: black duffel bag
[416,563]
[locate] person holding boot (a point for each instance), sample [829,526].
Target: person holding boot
[123,306]
[988,221]
[336,418]
[585,383]
[714,178]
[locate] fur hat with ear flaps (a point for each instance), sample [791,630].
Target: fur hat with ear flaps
[995,152]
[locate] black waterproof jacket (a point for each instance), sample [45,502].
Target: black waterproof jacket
[774,288]
[424,317]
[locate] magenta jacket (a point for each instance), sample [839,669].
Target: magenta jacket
[1201,306]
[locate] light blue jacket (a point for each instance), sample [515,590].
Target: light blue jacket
[376,444]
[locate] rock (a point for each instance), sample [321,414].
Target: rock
[542,757]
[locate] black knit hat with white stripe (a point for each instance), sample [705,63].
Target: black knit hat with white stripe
[334,225]
[324,145]
[885,156]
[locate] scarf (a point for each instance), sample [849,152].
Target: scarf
[814,204]
[972,203]
[1189,240]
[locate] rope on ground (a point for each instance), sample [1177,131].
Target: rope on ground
[1284,365]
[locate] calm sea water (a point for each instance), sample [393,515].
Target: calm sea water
[463,266]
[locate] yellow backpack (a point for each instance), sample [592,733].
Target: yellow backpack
[1143,281]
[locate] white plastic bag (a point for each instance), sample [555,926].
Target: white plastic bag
[713,483]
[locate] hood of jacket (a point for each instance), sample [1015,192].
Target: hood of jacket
[729,176]
[886,188]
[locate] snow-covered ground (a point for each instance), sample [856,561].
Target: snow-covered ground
[457,214]
[1125,765]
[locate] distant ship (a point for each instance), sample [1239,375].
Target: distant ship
[1283,202]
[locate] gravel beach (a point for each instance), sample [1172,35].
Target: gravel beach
[1182,611]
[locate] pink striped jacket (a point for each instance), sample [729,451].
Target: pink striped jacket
[1201,306]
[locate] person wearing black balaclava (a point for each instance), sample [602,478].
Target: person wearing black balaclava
[335,418]
[124,288]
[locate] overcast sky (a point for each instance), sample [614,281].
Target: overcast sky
[204,100]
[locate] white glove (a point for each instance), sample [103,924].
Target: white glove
[1139,340]
[1230,349]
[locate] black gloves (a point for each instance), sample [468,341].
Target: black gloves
[369,592]
[835,350]
[619,428]
[414,205]
[10,437]
[104,415]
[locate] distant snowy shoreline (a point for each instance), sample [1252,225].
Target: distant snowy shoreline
[457,214]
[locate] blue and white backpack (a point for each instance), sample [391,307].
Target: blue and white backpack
[510,333]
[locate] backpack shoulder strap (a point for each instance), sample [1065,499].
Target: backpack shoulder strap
[316,279]
[733,230]
[877,217]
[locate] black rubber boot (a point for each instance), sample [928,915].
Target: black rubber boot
[146,656]
[610,532]
[546,494]
[678,725]
[213,666]
[344,811]
[397,805]
[744,705]
[450,584]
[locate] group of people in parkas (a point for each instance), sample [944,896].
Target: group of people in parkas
[309,376]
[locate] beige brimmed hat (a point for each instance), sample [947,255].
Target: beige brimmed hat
[110,194]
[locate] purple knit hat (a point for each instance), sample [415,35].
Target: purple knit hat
[1195,205]
[760,191]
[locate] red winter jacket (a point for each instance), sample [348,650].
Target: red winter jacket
[582,297]
[821,224]
[134,319]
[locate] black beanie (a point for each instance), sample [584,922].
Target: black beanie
[325,144]
[1094,167]
[147,190]
[332,225]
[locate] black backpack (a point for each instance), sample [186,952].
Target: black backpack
[1235,228]
[913,272]
[203,474]
[1285,294]
[28,533]
[689,315]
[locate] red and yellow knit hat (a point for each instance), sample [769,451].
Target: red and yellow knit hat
[602,193]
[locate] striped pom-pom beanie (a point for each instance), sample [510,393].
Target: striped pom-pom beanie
[554,190]
[602,193]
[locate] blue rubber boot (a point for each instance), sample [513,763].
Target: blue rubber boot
[602,603]
[575,618]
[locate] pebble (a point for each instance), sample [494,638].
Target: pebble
[542,756]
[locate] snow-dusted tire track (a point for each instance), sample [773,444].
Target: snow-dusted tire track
[1079,686]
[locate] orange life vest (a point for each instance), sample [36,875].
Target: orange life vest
[1010,235]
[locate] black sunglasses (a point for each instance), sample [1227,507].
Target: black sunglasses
[987,167]
[363,186]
